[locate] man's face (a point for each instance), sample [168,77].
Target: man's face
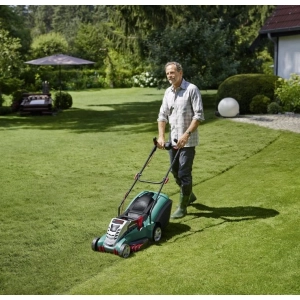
[174,77]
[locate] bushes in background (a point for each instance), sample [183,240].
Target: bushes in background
[63,100]
[288,93]
[274,108]
[259,104]
[246,86]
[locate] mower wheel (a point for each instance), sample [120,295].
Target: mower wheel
[94,243]
[124,251]
[157,232]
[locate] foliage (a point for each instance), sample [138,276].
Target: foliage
[249,20]
[206,58]
[244,87]
[274,108]
[119,69]
[41,21]
[17,98]
[9,85]
[5,110]
[145,79]
[63,100]
[267,62]
[48,44]
[90,42]
[288,92]
[13,20]
[259,104]
[10,60]
[82,79]
[67,19]
[130,30]
[31,78]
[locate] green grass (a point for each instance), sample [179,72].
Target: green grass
[63,177]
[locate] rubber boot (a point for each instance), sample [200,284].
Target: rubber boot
[192,198]
[181,210]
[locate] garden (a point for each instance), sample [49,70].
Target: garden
[64,175]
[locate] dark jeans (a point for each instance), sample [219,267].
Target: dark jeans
[182,168]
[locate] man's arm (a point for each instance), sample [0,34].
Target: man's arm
[185,137]
[161,134]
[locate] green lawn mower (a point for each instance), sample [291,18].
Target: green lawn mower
[143,220]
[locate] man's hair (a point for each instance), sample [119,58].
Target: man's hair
[178,65]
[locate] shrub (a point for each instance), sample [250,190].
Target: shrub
[5,110]
[274,108]
[9,85]
[259,104]
[63,100]
[244,87]
[17,98]
[145,79]
[288,92]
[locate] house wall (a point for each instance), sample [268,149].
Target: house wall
[288,55]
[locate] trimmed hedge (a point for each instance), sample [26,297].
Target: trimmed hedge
[244,87]
[63,100]
[259,104]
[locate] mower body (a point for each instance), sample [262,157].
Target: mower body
[142,221]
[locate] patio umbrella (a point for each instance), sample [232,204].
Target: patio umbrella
[59,60]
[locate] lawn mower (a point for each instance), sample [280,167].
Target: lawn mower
[144,219]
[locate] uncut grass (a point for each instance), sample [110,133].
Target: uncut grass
[64,176]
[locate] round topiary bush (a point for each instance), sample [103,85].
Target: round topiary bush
[259,104]
[63,100]
[244,87]
[274,108]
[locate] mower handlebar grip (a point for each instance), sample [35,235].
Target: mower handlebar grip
[168,145]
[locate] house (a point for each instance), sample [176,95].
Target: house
[283,29]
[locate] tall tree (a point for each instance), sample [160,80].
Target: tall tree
[67,19]
[10,62]
[206,58]
[90,43]
[40,18]
[14,22]
[49,44]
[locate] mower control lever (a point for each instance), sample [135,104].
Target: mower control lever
[168,145]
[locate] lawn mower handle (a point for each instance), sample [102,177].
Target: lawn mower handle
[167,146]
[137,177]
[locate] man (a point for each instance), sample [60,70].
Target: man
[182,108]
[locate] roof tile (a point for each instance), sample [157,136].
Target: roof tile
[284,18]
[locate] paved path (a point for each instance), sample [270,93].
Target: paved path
[287,121]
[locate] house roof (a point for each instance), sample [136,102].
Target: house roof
[285,18]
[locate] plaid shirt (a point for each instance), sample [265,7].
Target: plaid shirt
[179,107]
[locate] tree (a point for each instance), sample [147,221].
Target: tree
[49,44]
[39,19]
[206,57]
[90,43]
[9,62]
[12,19]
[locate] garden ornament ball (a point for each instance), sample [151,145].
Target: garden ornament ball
[228,107]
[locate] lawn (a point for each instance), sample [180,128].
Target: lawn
[63,177]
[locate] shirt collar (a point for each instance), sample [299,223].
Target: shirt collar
[182,86]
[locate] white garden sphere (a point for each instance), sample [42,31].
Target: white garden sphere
[228,107]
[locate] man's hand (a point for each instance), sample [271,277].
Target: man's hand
[161,143]
[182,141]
